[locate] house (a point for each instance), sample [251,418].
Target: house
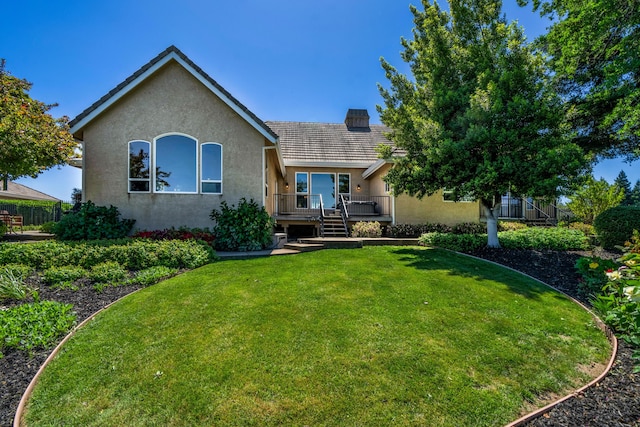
[169,144]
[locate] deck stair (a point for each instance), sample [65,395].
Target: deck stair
[334,226]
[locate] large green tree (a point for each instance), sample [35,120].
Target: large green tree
[31,140]
[623,183]
[594,50]
[476,116]
[594,197]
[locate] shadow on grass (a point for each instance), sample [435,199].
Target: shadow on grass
[473,268]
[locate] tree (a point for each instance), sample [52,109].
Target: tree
[476,117]
[594,55]
[593,198]
[31,140]
[635,194]
[623,183]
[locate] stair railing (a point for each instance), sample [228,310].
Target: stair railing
[344,214]
[321,217]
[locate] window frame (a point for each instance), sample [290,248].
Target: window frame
[212,181]
[302,195]
[129,178]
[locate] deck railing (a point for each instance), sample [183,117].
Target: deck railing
[360,205]
[298,204]
[310,205]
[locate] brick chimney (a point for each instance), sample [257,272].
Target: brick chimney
[357,119]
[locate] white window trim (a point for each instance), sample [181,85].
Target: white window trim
[195,166]
[215,181]
[129,179]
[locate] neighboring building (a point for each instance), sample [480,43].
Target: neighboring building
[169,144]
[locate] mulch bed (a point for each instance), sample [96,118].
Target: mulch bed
[614,401]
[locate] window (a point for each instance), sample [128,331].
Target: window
[447,196]
[302,190]
[176,164]
[139,177]
[211,170]
[344,184]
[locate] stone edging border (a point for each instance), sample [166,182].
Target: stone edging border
[27,393]
[520,421]
[609,333]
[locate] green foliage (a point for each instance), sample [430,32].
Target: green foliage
[3,228]
[133,254]
[615,226]
[553,238]
[93,222]
[19,270]
[454,242]
[34,325]
[416,230]
[24,122]
[48,227]
[511,225]
[587,229]
[12,284]
[635,194]
[477,116]
[152,275]
[246,228]
[619,302]
[469,228]
[593,274]
[594,56]
[109,272]
[64,276]
[539,238]
[593,198]
[366,229]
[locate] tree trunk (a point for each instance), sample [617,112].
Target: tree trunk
[492,212]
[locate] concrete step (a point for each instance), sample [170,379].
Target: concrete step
[304,247]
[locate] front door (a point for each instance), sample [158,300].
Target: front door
[325,185]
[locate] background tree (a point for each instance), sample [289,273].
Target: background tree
[476,117]
[31,140]
[593,198]
[623,183]
[594,55]
[635,194]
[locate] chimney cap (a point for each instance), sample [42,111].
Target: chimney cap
[357,118]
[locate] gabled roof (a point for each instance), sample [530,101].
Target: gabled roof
[328,144]
[172,53]
[17,191]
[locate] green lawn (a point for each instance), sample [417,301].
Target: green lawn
[376,336]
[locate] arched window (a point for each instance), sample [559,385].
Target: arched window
[139,176]
[176,164]
[211,168]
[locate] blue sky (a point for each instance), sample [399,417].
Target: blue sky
[290,60]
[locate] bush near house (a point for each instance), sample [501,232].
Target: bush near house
[182,233]
[615,225]
[248,227]
[93,222]
[366,229]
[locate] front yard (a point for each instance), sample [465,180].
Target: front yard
[377,336]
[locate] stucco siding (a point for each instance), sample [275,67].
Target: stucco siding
[170,101]
[432,209]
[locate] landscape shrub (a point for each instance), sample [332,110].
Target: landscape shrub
[416,230]
[551,238]
[34,325]
[133,254]
[454,242]
[366,229]
[619,303]
[3,228]
[152,275]
[182,233]
[63,277]
[511,225]
[469,228]
[48,227]
[109,272]
[20,270]
[93,222]
[615,225]
[248,227]
[587,229]
[593,275]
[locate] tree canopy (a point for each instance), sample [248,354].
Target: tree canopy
[623,183]
[595,59]
[31,140]
[593,198]
[476,116]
